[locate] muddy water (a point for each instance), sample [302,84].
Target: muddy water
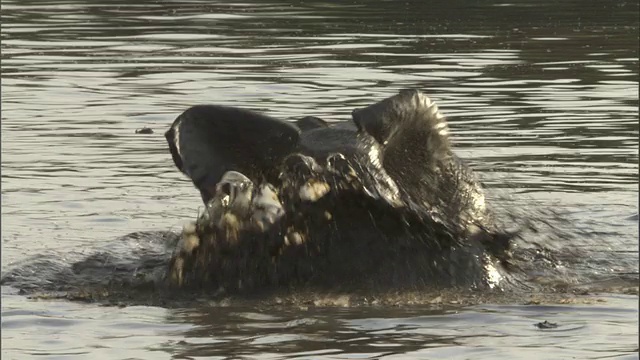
[542,99]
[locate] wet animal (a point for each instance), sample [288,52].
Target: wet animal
[380,201]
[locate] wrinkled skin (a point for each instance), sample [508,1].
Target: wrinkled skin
[380,202]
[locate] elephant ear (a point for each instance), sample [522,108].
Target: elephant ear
[414,145]
[208,140]
[405,122]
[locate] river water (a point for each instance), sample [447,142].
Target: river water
[542,99]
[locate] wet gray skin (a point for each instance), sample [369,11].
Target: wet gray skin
[381,198]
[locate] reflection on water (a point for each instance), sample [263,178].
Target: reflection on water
[542,99]
[607,328]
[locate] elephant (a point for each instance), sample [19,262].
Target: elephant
[380,201]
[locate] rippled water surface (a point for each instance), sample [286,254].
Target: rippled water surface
[542,99]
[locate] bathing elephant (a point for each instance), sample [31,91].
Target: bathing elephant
[380,201]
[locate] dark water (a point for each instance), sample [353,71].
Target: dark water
[542,98]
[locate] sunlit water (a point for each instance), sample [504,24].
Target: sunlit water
[542,99]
